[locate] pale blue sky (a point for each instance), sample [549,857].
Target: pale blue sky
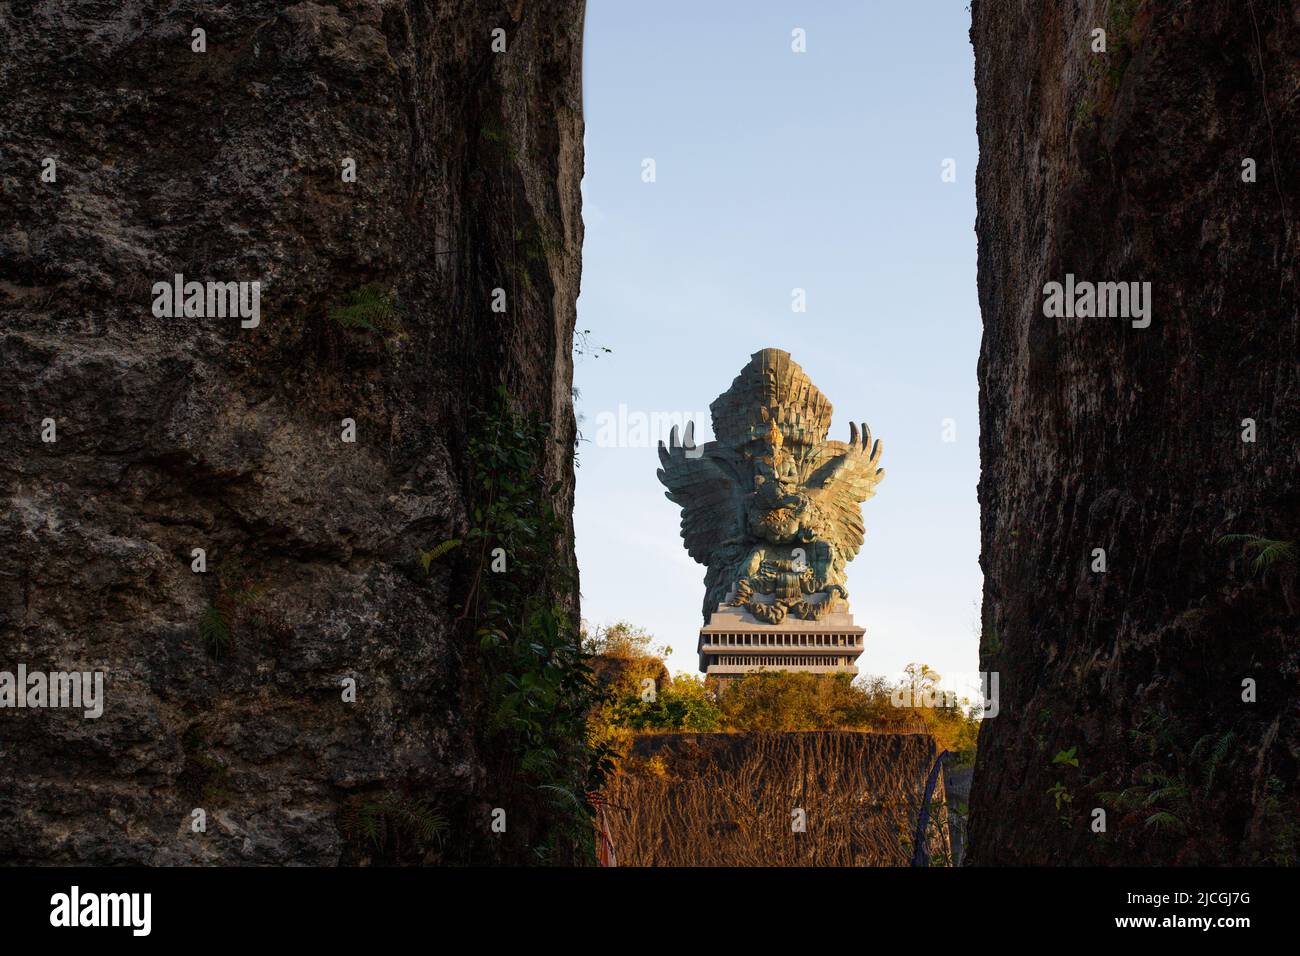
[776,170]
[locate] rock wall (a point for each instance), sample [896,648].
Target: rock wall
[1128,165]
[181,433]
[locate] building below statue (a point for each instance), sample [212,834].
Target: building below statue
[735,643]
[771,507]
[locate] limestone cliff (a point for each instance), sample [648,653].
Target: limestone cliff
[377,298]
[1097,433]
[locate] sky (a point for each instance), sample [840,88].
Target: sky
[776,170]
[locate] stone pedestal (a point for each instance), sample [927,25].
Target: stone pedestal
[735,643]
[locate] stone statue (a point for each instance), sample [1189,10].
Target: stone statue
[770,506]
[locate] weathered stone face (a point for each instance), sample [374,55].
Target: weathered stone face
[175,433]
[1126,435]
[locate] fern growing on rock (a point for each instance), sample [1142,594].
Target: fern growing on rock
[1268,552]
[393,818]
[372,308]
[214,631]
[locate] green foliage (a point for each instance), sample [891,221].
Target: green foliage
[1059,792]
[214,631]
[238,606]
[1164,820]
[621,639]
[537,245]
[624,641]
[1067,757]
[1085,112]
[1120,39]
[1119,21]
[1268,552]
[1178,791]
[494,131]
[539,683]
[1105,71]
[393,819]
[428,557]
[1217,750]
[773,701]
[371,307]
[799,701]
[963,742]
[1278,824]
[684,703]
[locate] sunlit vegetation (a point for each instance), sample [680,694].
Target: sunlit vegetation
[640,697]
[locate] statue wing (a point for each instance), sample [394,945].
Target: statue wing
[841,477]
[704,481]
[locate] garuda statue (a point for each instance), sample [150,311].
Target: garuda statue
[770,506]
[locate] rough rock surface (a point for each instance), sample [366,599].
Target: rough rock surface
[183,433]
[786,798]
[1095,434]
